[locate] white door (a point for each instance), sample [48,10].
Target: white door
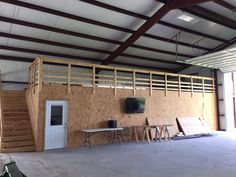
[56,124]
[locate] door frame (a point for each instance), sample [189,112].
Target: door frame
[48,105]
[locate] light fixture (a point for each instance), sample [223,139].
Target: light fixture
[188,18]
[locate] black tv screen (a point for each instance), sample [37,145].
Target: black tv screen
[134,105]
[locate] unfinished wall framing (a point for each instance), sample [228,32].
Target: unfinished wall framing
[95,97]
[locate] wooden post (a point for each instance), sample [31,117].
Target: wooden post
[179,85]
[134,91]
[203,87]
[29,80]
[166,85]
[213,86]
[40,74]
[191,86]
[150,83]
[69,78]
[115,80]
[33,75]
[94,74]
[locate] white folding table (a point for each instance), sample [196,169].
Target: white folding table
[117,135]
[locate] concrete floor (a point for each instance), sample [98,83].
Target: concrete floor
[201,157]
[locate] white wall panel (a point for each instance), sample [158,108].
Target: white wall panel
[14,71]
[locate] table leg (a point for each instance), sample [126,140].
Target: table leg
[117,136]
[157,134]
[135,134]
[168,133]
[161,132]
[120,136]
[87,140]
[147,134]
[143,134]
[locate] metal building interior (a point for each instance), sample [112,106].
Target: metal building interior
[90,57]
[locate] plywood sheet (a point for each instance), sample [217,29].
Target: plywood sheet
[91,110]
[191,125]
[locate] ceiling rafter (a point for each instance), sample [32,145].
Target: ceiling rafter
[72,33]
[30,60]
[59,44]
[18,49]
[192,32]
[150,59]
[102,24]
[16,58]
[65,15]
[208,15]
[133,14]
[181,68]
[161,51]
[148,24]
[211,16]
[225,5]
[134,57]
[220,47]
[224,46]
[174,42]
[57,30]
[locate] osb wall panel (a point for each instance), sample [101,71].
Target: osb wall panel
[0,119]
[32,98]
[88,110]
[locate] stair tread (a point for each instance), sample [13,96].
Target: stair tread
[10,123]
[17,117]
[19,149]
[17,138]
[16,132]
[12,144]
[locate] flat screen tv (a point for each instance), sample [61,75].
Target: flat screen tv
[134,105]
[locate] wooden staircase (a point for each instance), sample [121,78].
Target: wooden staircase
[16,127]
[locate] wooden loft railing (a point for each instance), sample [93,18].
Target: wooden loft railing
[57,71]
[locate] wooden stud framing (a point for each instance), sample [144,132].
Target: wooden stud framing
[33,73]
[150,84]
[115,81]
[179,86]
[30,77]
[38,73]
[166,85]
[40,65]
[203,87]
[134,84]
[191,86]
[94,79]
[213,86]
[69,78]
[76,63]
